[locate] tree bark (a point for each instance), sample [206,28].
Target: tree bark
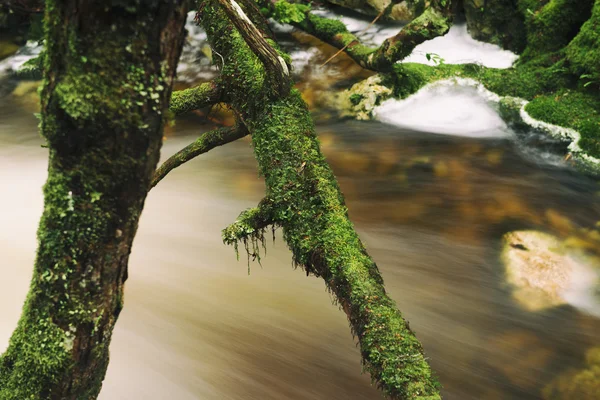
[108,74]
[303,197]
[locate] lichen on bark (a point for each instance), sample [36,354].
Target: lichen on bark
[108,70]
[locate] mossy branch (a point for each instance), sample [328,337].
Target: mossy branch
[305,200]
[194,98]
[250,224]
[431,23]
[206,142]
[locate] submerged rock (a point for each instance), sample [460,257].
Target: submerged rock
[583,384]
[544,273]
[7,49]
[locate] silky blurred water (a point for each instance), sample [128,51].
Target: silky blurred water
[430,208]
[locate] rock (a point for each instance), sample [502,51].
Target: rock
[7,49]
[583,384]
[496,21]
[360,100]
[510,111]
[401,12]
[26,95]
[545,273]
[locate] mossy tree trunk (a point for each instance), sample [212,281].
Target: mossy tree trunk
[109,68]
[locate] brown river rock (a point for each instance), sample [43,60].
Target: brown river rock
[540,269]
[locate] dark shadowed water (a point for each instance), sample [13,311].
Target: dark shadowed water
[431,210]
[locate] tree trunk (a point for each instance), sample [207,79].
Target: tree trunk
[109,68]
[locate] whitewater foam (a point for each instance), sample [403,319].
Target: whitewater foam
[458,47]
[460,107]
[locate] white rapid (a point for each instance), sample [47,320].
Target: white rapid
[450,107]
[25,53]
[458,47]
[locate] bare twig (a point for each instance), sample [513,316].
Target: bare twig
[203,144]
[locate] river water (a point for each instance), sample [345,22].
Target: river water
[431,209]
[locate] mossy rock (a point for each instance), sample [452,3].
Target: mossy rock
[496,21]
[583,384]
[583,52]
[362,98]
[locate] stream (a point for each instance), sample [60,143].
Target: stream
[431,200]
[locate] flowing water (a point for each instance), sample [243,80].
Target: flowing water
[431,209]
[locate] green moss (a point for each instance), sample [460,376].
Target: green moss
[571,109]
[183,101]
[356,98]
[551,25]
[546,81]
[328,26]
[31,69]
[102,104]
[583,52]
[305,200]
[496,21]
[285,12]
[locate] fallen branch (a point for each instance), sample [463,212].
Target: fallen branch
[433,22]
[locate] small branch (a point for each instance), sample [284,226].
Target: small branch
[275,65]
[249,228]
[203,144]
[249,223]
[203,95]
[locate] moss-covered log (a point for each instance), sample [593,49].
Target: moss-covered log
[305,200]
[108,68]
[431,22]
